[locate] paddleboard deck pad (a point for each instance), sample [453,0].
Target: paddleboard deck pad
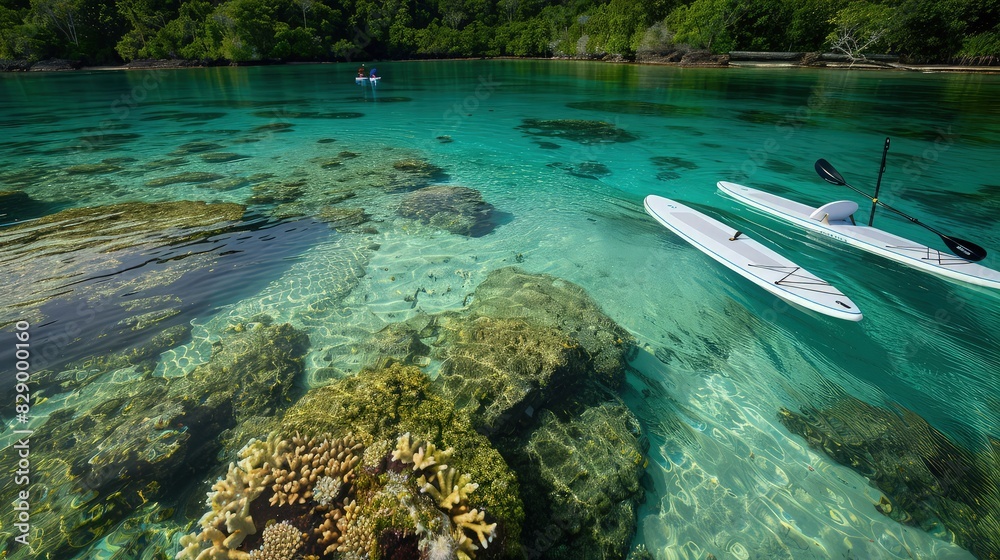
[868,238]
[752,260]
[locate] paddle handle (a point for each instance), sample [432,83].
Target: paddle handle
[878,183]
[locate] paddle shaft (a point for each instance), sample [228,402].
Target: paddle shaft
[968,250]
[878,183]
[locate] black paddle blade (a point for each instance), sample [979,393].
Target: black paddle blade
[965,249]
[828,173]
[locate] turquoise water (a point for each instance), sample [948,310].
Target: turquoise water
[716,354]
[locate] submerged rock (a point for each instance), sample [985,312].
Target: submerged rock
[92,169]
[273,192]
[225,184]
[526,342]
[581,475]
[273,127]
[927,478]
[344,220]
[673,163]
[581,131]
[552,302]
[459,210]
[585,170]
[17,206]
[670,167]
[503,370]
[221,157]
[415,166]
[167,162]
[67,269]
[535,363]
[195,148]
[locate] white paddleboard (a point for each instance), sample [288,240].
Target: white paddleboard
[750,259]
[840,227]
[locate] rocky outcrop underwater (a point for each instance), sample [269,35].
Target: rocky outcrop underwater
[929,481]
[490,432]
[519,447]
[97,465]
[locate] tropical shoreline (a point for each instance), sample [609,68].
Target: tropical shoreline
[701,60]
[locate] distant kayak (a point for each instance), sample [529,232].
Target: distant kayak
[835,220]
[752,260]
[374,81]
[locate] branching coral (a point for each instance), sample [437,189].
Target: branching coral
[310,460]
[318,502]
[450,491]
[282,473]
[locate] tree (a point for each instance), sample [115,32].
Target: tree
[306,6]
[811,23]
[926,31]
[706,23]
[617,27]
[145,19]
[860,27]
[62,14]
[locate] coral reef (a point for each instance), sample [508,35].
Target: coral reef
[450,490]
[460,210]
[502,370]
[344,220]
[379,404]
[410,500]
[534,363]
[928,479]
[146,435]
[74,268]
[581,474]
[281,542]
[550,302]
[581,131]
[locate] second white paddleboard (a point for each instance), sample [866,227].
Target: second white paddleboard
[750,259]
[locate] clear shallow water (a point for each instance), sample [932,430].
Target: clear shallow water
[718,357]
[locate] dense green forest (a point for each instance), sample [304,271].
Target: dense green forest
[297,30]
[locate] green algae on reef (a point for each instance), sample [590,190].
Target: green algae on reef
[57,262]
[384,403]
[460,210]
[97,461]
[928,479]
[580,131]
